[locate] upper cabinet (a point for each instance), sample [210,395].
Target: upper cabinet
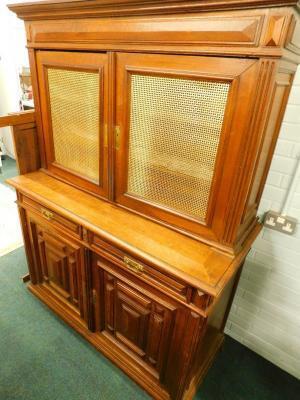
[176,138]
[73,91]
[168,109]
[180,123]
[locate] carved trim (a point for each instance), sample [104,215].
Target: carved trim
[238,29]
[85,235]
[253,136]
[28,247]
[275,30]
[286,85]
[293,36]
[105,8]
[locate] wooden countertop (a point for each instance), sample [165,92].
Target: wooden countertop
[197,263]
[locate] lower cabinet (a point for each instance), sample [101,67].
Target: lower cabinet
[152,336]
[157,334]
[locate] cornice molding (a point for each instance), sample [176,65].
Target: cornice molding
[59,9]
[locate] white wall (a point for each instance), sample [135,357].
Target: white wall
[266,310]
[13,55]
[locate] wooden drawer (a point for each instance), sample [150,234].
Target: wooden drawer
[54,218]
[145,272]
[178,289]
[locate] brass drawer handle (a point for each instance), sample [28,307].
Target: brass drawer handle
[47,214]
[133,265]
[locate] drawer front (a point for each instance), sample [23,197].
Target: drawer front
[54,218]
[174,287]
[146,273]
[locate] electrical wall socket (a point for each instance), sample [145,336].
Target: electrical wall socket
[280,223]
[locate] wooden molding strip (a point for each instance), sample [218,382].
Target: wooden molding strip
[96,8]
[13,119]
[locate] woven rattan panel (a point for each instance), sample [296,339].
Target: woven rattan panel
[74,102]
[175,127]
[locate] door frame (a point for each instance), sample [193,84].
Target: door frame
[76,61]
[241,74]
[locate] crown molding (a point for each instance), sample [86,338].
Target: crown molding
[60,9]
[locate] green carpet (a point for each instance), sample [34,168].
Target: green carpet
[9,169]
[42,358]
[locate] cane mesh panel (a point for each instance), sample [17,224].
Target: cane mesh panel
[74,103]
[175,127]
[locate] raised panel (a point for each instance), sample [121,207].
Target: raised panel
[109,302]
[235,29]
[25,142]
[133,317]
[156,327]
[59,266]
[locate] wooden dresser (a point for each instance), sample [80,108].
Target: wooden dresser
[142,167]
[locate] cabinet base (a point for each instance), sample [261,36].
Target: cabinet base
[212,340]
[101,343]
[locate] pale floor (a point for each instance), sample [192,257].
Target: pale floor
[10,230]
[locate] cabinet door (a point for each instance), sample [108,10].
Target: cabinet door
[73,94]
[132,316]
[180,124]
[59,265]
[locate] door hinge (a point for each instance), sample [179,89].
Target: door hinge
[117,137]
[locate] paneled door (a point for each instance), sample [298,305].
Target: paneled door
[73,96]
[59,264]
[132,317]
[180,126]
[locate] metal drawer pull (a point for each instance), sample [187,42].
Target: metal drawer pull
[133,265]
[47,214]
